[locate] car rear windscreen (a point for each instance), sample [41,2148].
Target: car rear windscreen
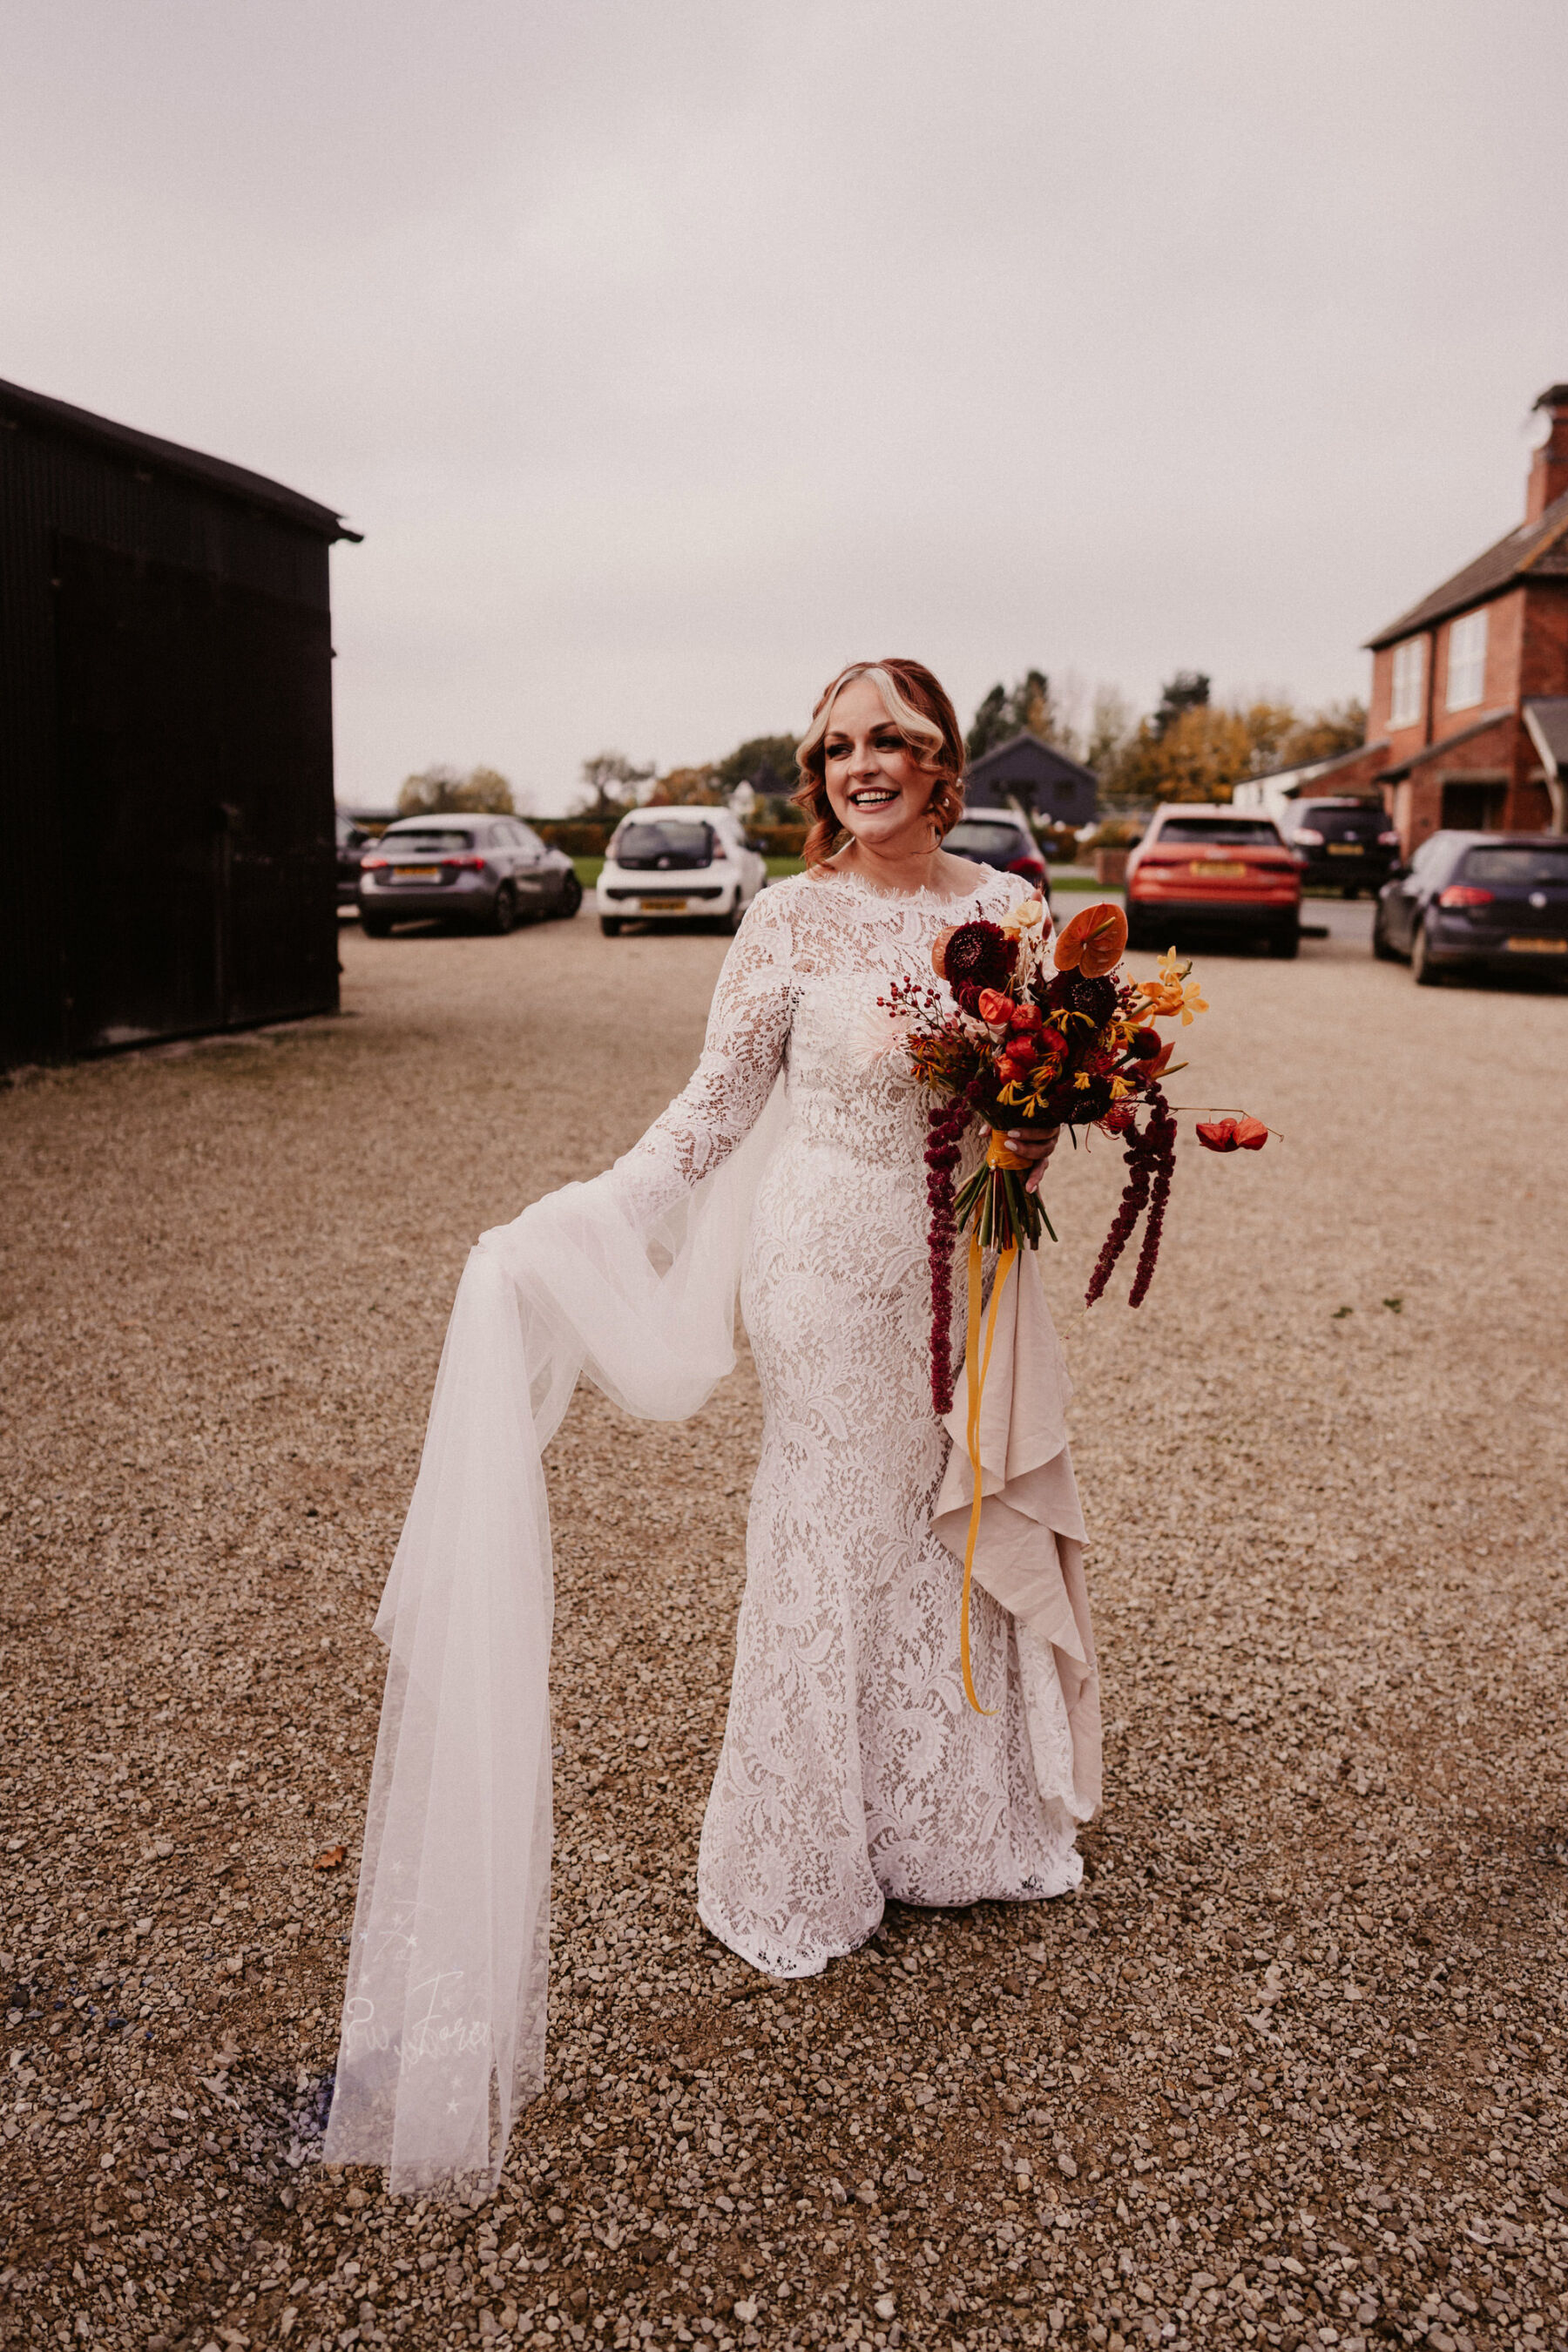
[1518,869]
[1215,831]
[423,841]
[683,844]
[1340,824]
[972,838]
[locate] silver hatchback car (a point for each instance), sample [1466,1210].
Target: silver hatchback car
[487,873]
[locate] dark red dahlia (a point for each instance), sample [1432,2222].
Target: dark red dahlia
[974,956]
[1072,992]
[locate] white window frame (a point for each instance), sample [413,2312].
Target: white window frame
[1467,660]
[1409,681]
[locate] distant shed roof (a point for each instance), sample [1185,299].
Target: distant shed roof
[17,405]
[1536,550]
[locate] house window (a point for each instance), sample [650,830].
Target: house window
[1409,667]
[1467,660]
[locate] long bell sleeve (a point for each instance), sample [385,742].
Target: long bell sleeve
[742,1054]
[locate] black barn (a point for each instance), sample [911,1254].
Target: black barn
[1033,772]
[166,739]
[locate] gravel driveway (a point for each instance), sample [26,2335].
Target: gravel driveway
[1290,2067]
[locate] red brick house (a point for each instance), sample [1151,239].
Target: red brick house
[1468,717]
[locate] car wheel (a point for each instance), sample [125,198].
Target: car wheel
[1285,944]
[571,896]
[1380,946]
[1138,934]
[375,927]
[503,914]
[1423,970]
[611,925]
[728,925]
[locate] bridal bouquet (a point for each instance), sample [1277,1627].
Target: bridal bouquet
[1040,1036]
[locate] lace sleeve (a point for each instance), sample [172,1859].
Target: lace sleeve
[742,1053]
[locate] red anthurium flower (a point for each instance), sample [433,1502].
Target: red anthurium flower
[996,1008]
[1092,942]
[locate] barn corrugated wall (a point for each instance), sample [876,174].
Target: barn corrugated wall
[165,744]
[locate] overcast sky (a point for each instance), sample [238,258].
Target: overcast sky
[670,355]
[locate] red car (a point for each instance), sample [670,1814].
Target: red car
[1214,869]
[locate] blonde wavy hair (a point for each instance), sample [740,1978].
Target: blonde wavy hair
[924,717]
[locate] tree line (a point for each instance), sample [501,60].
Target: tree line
[1188,748]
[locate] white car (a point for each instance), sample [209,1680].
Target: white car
[679,864]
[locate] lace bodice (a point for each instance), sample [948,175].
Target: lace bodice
[798,992]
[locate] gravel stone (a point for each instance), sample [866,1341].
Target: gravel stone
[1288,2070]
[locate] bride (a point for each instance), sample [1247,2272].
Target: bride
[853,1769]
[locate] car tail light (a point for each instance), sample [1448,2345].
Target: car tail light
[1309,839]
[1033,869]
[466,865]
[1465,894]
[720,852]
[1388,841]
[369,864]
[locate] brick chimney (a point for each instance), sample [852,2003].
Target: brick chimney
[1549,474]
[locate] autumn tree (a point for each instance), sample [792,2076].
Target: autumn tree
[1324,734]
[689,787]
[1025,708]
[766,762]
[445,792]
[611,786]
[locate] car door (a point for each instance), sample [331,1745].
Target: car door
[535,879]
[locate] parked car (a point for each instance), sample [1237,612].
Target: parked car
[351,845]
[998,837]
[1478,902]
[1213,868]
[671,864]
[1348,844]
[487,873]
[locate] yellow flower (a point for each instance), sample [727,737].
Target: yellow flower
[1172,993]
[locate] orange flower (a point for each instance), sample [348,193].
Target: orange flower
[1092,942]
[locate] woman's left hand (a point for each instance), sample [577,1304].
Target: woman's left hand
[1034,1143]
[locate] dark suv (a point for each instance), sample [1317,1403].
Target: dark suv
[1349,845]
[1477,901]
[352,844]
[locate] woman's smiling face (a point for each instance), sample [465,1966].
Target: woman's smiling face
[876,788]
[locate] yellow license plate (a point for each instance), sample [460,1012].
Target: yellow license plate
[1538,947]
[1217,873]
[1344,849]
[663,905]
[416,874]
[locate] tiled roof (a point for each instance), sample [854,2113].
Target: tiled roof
[1027,745]
[1536,550]
[1445,744]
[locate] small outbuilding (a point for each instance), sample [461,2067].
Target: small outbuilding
[166,739]
[1035,775]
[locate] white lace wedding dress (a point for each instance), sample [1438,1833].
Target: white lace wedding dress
[853,1769]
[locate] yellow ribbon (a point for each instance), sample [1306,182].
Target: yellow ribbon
[974,1383]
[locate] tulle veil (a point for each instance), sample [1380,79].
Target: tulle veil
[444,2017]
